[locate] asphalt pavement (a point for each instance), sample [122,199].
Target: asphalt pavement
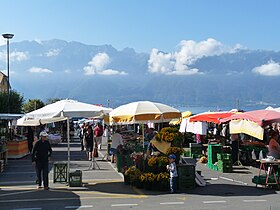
[104,188]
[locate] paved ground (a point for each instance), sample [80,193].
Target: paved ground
[104,188]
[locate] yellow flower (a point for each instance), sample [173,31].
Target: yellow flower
[163,177]
[147,177]
[152,161]
[175,150]
[158,161]
[169,134]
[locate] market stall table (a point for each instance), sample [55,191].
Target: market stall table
[17,148]
[270,174]
[54,138]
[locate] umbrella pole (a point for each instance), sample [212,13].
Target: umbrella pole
[68,151]
[143,130]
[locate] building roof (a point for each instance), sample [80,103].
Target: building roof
[2,76]
[10,116]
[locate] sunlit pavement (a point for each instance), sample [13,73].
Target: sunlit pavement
[104,188]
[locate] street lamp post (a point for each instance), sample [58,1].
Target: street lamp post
[8,37]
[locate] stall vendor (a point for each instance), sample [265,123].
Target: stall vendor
[274,147]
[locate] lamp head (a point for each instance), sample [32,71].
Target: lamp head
[8,36]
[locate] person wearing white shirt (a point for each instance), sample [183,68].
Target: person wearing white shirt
[117,140]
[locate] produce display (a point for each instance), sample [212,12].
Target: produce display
[150,172]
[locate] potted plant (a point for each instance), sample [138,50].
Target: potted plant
[133,175]
[148,180]
[158,164]
[163,181]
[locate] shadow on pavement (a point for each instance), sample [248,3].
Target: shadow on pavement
[224,190]
[38,198]
[112,188]
[227,190]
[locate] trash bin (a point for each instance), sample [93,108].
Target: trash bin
[60,172]
[75,179]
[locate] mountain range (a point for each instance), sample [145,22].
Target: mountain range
[190,76]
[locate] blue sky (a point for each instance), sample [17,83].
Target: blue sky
[146,24]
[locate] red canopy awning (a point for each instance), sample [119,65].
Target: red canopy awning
[261,117]
[214,117]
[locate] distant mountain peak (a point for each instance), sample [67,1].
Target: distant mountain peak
[61,68]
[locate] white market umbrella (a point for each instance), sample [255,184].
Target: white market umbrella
[144,111]
[59,111]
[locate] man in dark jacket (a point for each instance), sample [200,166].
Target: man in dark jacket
[41,154]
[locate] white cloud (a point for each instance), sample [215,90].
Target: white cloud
[270,69]
[189,52]
[97,66]
[39,70]
[18,56]
[2,41]
[160,62]
[112,72]
[14,56]
[53,52]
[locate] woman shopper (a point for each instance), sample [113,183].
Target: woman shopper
[89,141]
[98,133]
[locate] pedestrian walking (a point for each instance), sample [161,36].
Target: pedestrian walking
[40,155]
[98,133]
[81,135]
[89,141]
[173,173]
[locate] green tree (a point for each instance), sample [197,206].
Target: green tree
[16,102]
[32,105]
[52,100]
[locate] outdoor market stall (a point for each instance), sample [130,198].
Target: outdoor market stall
[150,172]
[253,123]
[218,155]
[199,124]
[60,111]
[7,138]
[12,144]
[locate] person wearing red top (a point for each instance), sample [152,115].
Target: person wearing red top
[98,132]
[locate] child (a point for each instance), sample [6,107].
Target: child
[173,173]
